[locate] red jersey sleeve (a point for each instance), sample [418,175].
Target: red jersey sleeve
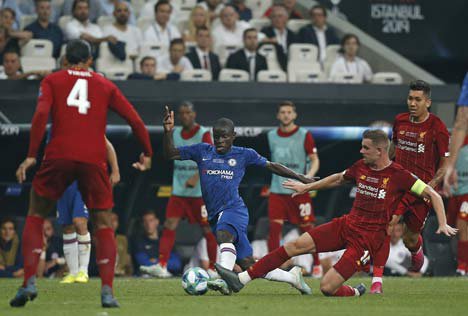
[394,132]
[207,138]
[405,179]
[309,144]
[39,121]
[350,174]
[121,105]
[442,139]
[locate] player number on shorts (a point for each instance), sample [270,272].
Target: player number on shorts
[306,209]
[204,212]
[79,96]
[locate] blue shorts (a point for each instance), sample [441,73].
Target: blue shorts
[71,205]
[235,222]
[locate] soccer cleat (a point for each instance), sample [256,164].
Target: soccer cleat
[213,274]
[300,284]
[417,261]
[361,288]
[317,272]
[376,288]
[82,277]
[24,294]
[156,270]
[219,285]
[107,298]
[68,279]
[460,272]
[231,278]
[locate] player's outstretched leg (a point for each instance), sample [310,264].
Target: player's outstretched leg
[32,244]
[380,259]
[414,241]
[227,260]
[106,250]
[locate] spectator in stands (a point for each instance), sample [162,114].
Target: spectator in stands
[108,9]
[148,11]
[290,6]
[318,32]
[13,6]
[349,63]
[29,7]
[145,247]
[198,18]
[278,34]
[7,20]
[123,266]
[12,68]
[42,28]
[201,56]
[161,31]
[148,71]
[11,260]
[230,31]
[245,14]
[122,31]
[214,8]
[176,62]
[7,43]
[247,58]
[95,10]
[52,260]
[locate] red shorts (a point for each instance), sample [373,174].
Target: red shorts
[54,177]
[192,208]
[297,210]
[457,209]
[360,244]
[415,211]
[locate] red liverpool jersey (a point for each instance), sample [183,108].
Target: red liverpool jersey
[420,146]
[378,193]
[77,101]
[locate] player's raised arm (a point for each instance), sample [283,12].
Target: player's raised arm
[332,181]
[170,151]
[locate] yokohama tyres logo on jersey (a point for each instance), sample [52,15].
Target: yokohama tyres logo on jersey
[224,174]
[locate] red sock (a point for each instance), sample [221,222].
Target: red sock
[274,235]
[32,246]
[463,252]
[212,248]
[418,245]
[268,263]
[316,259]
[381,257]
[345,290]
[106,251]
[165,246]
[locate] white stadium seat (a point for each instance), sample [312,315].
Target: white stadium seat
[387,78]
[26,20]
[296,67]
[332,52]
[63,21]
[224,51]
[303,53]
[112,67]
[259,23]
[269,52]
[185,5]
[196,75]
[310,76]
[105,20]
[117,74]
[258,7]
[345,78]
[37,48]
[234,75]
[295,25]
[144,22]
[137,5]
[37,63]
[271,76]
[154,50]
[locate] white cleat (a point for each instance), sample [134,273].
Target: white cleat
[300,284]
[156,270]
[213,274]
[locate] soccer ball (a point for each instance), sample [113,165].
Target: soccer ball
[195,281]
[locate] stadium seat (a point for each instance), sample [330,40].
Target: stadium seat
[233,75]
[185,5]
[105,20]
[269,52]
[305,53]
[196,75]
[295,25]
[116,74]
[112,67]
[332,52]
[29,63]
[259,23]
[137,5]
[345,78]
[224,51]
[258,7]
[310,76]
[183,21]
[387,78]
[37,48]
[294,68]
[189,45]
[154,50]
[144,22]
[63,21]
[272,76]
[25,20]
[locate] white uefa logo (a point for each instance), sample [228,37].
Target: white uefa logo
[232,162]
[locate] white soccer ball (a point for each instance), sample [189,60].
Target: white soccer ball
[195,281]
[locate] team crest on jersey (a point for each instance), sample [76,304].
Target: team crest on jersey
[402,132]
[385,182]
[232,162]
[421,136]
[362,177]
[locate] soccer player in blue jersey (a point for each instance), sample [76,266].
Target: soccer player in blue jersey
[221,167]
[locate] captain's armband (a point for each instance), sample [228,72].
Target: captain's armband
[418,187]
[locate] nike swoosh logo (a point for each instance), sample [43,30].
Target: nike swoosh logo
[205,159]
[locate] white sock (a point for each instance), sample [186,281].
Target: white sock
[244,277]
[227,255]
[356,292]
[70,251]
[279,275]
[375,279]
[84,251]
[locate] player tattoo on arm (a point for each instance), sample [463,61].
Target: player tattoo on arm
[284,171]
[170,151]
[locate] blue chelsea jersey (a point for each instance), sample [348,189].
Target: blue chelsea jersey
[463,99]
[221,174]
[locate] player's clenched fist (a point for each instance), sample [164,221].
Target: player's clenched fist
[25,165]
[144,164]
[168,122]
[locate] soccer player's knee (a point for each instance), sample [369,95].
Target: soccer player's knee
[410,240]
[81,225]
[101,219]
[246,263]
[326,289]
[68,229]
[171,223]
[223,236]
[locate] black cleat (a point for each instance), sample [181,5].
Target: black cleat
[24,295]
[231,278]
[361,289]
[107,298]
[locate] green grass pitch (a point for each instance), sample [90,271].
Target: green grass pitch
[403,296]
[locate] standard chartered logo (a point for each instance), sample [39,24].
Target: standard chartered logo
[382,194]
[421,148]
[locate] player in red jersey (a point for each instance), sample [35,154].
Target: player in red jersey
[381,183]
[421,146]
[77,101]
